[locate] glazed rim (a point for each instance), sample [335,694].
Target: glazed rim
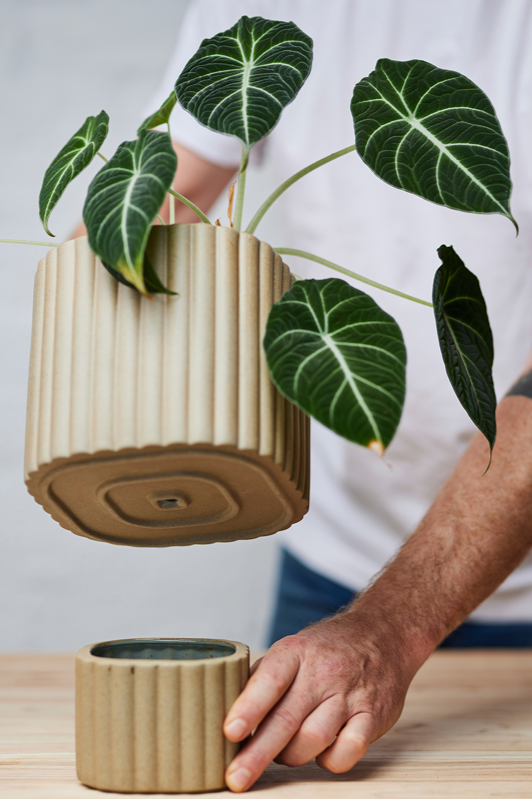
[164,649]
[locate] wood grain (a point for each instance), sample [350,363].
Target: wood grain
[466,731]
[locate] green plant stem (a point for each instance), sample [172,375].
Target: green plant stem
[171,213]
[171,200]
[286,185]
[161,220]
[361,278]
[103,158]
[36,243]
[240,189]
[191,205]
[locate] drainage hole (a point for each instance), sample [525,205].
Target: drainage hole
[170,504]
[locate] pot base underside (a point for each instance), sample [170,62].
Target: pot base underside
[169,496]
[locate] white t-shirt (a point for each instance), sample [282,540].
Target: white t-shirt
[361,508]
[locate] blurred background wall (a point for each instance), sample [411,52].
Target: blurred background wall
[61,60]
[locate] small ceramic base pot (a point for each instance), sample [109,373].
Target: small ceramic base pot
[154,422]
[149,713]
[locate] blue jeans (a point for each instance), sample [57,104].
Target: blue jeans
[304,596]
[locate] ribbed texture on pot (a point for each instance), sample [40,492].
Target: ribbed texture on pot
[155,726]
[111,370]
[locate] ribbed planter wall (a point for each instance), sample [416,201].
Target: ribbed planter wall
[153,422]
[149,713]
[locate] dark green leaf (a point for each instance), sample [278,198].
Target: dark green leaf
[465,339]
[77,154]
[339,357]
[123,200]
[161,116]
[152,280]
[239,81]
[118,276]
[434,133]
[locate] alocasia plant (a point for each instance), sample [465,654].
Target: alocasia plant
[329,347]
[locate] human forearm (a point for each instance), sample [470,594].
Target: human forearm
[477,531]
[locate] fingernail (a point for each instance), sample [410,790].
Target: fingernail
[235,729]
[239,780]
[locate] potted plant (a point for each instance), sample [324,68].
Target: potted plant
[152,413]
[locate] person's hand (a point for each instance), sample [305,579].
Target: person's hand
[325,693]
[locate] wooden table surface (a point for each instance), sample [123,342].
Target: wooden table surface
[466,732]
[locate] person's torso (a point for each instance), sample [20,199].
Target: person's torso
[361,508]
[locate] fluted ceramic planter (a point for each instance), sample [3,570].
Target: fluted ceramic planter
[149,713]
[153,422]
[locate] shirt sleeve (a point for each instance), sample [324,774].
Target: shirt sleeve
[203,19]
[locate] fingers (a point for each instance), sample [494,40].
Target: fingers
[268,683]
[302,741]
[271,736]
[317,733]
[351,744]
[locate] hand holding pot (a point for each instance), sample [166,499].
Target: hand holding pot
[327,692]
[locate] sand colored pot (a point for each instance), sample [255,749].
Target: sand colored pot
[149,713]
[153,422]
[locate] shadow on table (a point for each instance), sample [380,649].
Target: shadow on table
[276,775]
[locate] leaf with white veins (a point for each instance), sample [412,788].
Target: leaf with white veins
[239,81]
[123,200]
[434,133]
[340,358]
[77,154]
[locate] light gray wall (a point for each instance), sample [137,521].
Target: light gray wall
[61,60]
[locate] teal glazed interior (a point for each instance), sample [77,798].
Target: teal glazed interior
[163,649]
